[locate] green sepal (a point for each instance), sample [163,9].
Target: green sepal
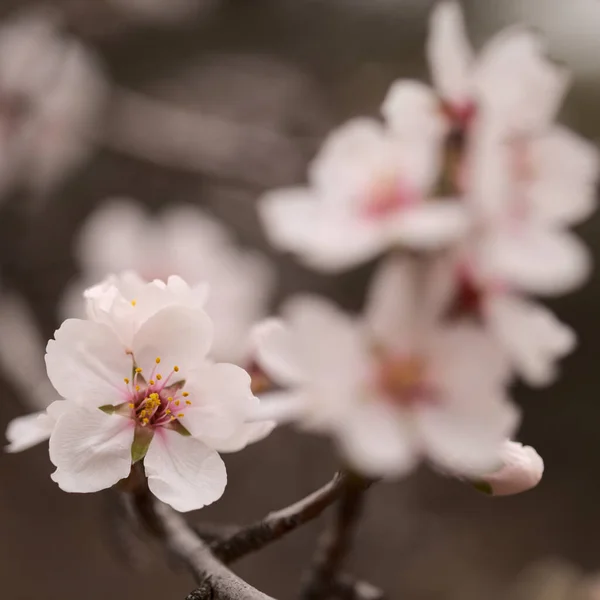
[141,442]
[179,428]
[109,409]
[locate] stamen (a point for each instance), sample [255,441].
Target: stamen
[179,415]
[126,380]
[157,360]
[131,405]
[158,376]
[188,402]
[185,394]
[176,369]
[137,388]
[177,402]
[152,382]
[133,302]
[138,370]
[168,411]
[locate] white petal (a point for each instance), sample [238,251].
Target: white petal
[248,433]
[537,260]
[87,363]
[91,450]
[28,431]
[565,171]
[465,437]
[522,470]
[297,222]
[184,472]
[517,82]
[413,112]
[178,336]
[377,440]
[221,401]
[279,406]
[273,343]
[431,225]
[533,337]
[449,53]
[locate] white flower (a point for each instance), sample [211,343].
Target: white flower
[52,92]
[522,469]
[137,385]
[122,235]
[399,387]
[369,192]
[511,79]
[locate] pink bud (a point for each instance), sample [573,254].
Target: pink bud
[522,471]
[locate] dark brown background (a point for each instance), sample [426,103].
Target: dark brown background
[298,67]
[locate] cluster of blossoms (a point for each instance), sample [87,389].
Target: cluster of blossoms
[467,190]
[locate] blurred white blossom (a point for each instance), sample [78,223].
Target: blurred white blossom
[369,192]
[51,94]
[121,235]
[137,385]
[396,388]
[172,11]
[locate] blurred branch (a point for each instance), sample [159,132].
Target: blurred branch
[175,137]
[214,579]
[348,588]
[276,524]
[321,579]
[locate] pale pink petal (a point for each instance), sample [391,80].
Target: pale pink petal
[25,432]
[537,260]
[449,52]
[413,112]
[276,353]
[246,434]
[87,363]
[565,172]
[184,472]
[178,336]
[377,440]
[220,401]
[533,337]
[517,82]
[430,226]
[465,437]
[522,470]
[91,449]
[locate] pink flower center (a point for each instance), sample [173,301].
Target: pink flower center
[402,380]
[158,401]
[386,197]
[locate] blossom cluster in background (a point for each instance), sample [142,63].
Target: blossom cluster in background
[468,189]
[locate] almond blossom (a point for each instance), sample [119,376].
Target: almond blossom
[138,386]
[122,235]
[369,192]
[52,93]
[400,385]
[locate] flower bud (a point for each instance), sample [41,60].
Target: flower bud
[521,471]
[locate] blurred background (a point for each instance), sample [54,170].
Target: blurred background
[182,106]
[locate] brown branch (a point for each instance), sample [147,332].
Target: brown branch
[321,580]
[215,581]
[276,524]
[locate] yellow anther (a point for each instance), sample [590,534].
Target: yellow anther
[131,405]
[177,402]
[179,415]
[138,370]
[154,396]
[145,421]
[176,369]
[170,399]
[188,402]
[151,382]
[137,388]
[172,419]
[158,376]
[126,380]
[157,360]
[133,302]
[168,411]
[185,394]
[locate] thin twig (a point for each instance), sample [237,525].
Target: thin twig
[215,581]
[276,524]
[320,581]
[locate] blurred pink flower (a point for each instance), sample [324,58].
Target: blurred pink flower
[396,387]
[369,192]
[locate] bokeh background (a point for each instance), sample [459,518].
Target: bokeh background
[246,90]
